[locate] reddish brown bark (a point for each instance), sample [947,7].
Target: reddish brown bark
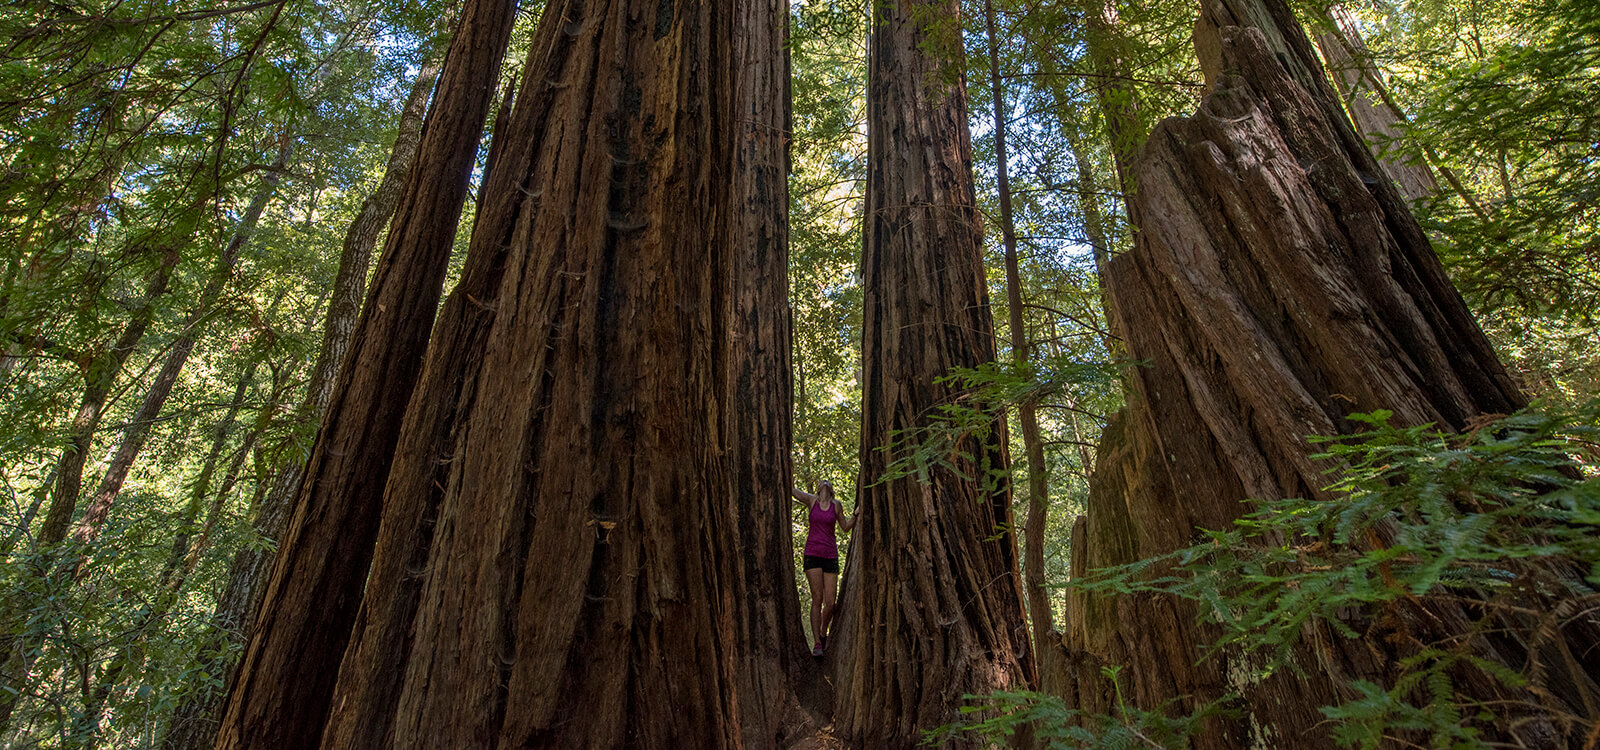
[310,602]
[557,565]
[1278,284]
[932,605]
[761,424]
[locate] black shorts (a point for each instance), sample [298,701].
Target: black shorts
[828,564]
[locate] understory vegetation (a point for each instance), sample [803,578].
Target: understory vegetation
[1504,517]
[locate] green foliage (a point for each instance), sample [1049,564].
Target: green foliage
[1491,516]
[1496,94]
[828,56]
[132,137]
[983,395]
[1520,114]
[1047,720]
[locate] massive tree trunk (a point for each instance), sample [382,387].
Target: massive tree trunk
[1278,284]
[557,563]
[761,424]
[932,606]
[310,602]
[194,724]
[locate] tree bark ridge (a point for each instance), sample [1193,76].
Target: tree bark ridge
[311,598]
[931,607]
[574,412]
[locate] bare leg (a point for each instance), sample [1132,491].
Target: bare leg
[814,577]
[830,584]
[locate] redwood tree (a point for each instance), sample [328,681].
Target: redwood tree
[1278,284]
[557,562]
[316,582]
[769,624]
[932,604]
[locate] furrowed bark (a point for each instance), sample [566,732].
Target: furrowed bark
[556,564]
[769,626]
[1277,285]
[310,602]
[931,606]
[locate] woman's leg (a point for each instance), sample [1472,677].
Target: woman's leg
[830,583]
[814,578]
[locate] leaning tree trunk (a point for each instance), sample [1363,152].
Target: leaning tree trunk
[556,561]
[1407,162]
[1277,285]
[194,724]
[100,374]
[761,424]
[87,530]
[19,652]
[310,602]
[932,604]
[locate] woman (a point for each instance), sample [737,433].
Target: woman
[822,555]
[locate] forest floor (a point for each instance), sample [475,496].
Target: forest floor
[822,740]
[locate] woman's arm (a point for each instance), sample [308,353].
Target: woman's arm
[848,522]
[802,498]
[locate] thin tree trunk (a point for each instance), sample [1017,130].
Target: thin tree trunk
[230,479]
[138,430]
[1116,96]
[932,606]
[20,530]
[573,414]
[1100,244]
[99,376]
[344,307]
[1119,109]
[310,602]
[1382,120]
[201,488]
[19,654]
[1046,641]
